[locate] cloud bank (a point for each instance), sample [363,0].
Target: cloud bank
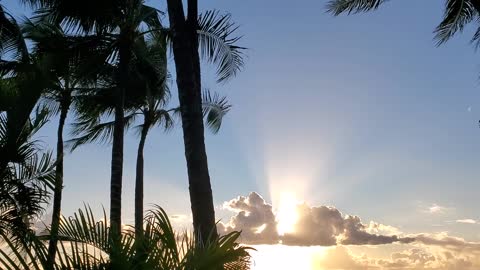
[340,258]
[316,226]
[327,226]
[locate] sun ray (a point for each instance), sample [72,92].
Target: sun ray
[287,214]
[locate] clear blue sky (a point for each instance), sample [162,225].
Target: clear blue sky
[386,123]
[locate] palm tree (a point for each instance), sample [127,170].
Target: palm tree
[187,38]
[24,77]
[25,173]
[216,45]
[458,13]
[26,179]
[89,128]
[153,107]
[64,53]
[121,23]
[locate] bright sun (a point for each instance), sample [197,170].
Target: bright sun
[287,215]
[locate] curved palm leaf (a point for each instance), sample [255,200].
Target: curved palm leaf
[92,130]
[11,38]
[217,44]
[337,7]
[458,13]
[215,107]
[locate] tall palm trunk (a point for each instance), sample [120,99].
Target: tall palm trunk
[117,167]
[118,137]
[187,63]
[139,183]
[57,193]
[141,254]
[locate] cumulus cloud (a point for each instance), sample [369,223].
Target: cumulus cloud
[255,218]
[316,226]
[327,226]
[378,228]
[356,234]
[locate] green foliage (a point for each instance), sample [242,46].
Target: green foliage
[86,244]
[25,178]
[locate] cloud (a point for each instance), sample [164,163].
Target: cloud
[316,226]
[448,242]
[436,209]
[378,228]
[356,234]
[327,226]
[255,218]
[466,221]
[419,256]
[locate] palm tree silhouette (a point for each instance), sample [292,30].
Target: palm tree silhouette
[458,13]
[188,37]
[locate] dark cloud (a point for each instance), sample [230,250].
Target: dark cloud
[355,233]
[316,226]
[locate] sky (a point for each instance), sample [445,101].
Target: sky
[352,129]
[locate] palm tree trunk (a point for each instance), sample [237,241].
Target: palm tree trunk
[117,167]
[57,194]
[187,63]
[141,255]
[117,145]
[139,183]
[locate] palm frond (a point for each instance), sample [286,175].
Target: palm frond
[476,37]
[150,16]
[11,37]
[215,107]
[458,13]
[217,44]
[86,244]
[24,192]
[337,7]
[92,130]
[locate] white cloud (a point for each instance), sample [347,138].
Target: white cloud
[466,221]
[436,209]
[254,218]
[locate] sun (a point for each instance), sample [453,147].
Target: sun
[287,215]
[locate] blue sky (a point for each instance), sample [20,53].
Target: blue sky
[362,112]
